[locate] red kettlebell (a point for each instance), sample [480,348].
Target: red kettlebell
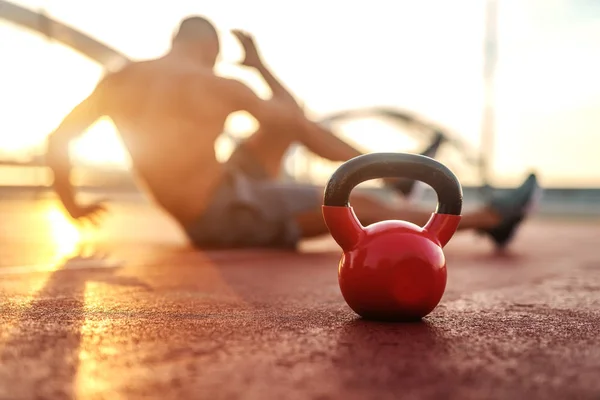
[392,270]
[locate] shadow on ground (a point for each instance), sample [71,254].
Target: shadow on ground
[42,352]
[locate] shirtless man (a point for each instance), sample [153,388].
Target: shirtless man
[169,112]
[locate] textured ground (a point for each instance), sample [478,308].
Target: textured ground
[130,312]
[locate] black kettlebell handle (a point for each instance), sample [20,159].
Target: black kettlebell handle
[395,165]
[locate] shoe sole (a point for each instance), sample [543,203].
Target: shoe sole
[534,203]
[531,206]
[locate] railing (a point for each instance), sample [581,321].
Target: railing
[62,33]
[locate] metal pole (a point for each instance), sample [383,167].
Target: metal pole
[489,69]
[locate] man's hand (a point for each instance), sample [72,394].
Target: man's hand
[91,213]
[251,58]
[254,60]
[57,156]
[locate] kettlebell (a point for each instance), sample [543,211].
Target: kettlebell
[392,270]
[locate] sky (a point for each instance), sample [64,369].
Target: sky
[424,56]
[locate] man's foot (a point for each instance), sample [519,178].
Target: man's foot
[407,186]
[513,209]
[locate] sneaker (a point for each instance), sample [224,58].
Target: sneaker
[513,209]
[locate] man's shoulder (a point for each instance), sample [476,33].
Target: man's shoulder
[128,70]
[208,83]
[231,86]
[112,78]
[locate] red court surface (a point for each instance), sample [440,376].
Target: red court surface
[131,312]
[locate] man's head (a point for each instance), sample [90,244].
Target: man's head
[198,36]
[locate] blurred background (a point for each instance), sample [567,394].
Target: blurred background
[514,83]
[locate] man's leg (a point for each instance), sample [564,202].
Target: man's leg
[267,213]
[267,147]
[261,155]
[370,210]
[499,219]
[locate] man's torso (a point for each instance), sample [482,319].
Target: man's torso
[169,115]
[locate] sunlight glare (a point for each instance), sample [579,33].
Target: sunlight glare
[64,235]
[102,145]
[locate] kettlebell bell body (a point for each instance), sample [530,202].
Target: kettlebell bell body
[392,270]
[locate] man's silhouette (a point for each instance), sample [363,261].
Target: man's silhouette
[170,111]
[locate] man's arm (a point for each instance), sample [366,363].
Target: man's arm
[279,91]
[317,139]
[57,150]
[281,115]
[274,113]
[254,60]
